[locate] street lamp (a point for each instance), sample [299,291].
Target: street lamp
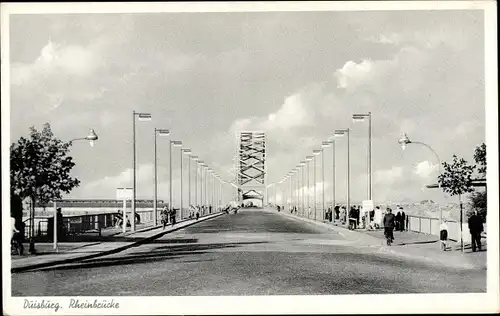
[404,141]
[195,159]
[161,132]
[315,153]
[326,144]
[91,137]
[201,164]
[174,143]
[308,159]
[341,133]
[141,117]
[302,185]
[361,118]
[186,151]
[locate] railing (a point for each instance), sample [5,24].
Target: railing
[93,223]
[430,225]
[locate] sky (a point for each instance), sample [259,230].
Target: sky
[296,75]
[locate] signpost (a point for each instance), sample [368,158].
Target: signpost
[125,194]
[367,208]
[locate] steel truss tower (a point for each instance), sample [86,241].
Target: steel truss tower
[251,165]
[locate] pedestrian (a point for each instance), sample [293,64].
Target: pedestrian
[60,225]
[337,212]
[403,220]
[173,214]
[343,215]
[164,217]
[389,224]
[118,219]
[398,221]
[443,234]
[475,229]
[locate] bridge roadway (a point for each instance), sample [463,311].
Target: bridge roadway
[253,252]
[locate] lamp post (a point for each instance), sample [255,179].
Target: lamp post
[141,117]
[327,144]
[404,141]
[195,159]
[161,132]
[200,164]
[174,143]
[361,118]
[185,151]
[91,137]
[302,185]
[340,133]
[315,153]
[308,160]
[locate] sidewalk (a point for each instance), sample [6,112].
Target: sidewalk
[69,252]
[409,244]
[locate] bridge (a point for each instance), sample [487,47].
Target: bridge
[296,250]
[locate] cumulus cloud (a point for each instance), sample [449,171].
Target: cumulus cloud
[353,74]
[56,60]
[425,169]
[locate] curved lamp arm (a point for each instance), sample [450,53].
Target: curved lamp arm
[433,151]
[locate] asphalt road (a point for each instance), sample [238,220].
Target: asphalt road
[253,252]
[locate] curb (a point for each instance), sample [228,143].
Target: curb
[111,251]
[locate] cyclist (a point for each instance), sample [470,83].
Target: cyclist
[389,226]
[16,238]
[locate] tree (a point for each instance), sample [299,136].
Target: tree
[480,159]
[457,177]
[478,200]
[40,169]
[457,180]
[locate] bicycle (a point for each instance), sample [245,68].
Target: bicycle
[16,246]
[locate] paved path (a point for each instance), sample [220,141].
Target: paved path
[253,252]
[71,252]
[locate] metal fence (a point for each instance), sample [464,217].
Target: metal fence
[430,225]
[93,223]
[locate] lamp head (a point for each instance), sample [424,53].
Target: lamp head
[176,143]
[358,117]
[326,144]
[144,116]
[317,152]
[163,132]
[187,151]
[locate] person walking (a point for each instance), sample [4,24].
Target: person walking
[398,221]
[403,220]
[475,229]
[164,217]
[389,224]
[443,234]
[337,212]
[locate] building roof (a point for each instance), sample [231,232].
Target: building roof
[475,183]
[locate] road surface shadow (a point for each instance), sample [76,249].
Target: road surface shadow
[158,254]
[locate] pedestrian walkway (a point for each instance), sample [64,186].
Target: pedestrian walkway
[418,246]
[69,252]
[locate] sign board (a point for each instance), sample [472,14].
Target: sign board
[367,205]
[124,193]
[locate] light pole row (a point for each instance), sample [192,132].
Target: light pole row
[302,182]
[207,175]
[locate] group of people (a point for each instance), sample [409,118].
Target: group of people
[119,220]
[169,215]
